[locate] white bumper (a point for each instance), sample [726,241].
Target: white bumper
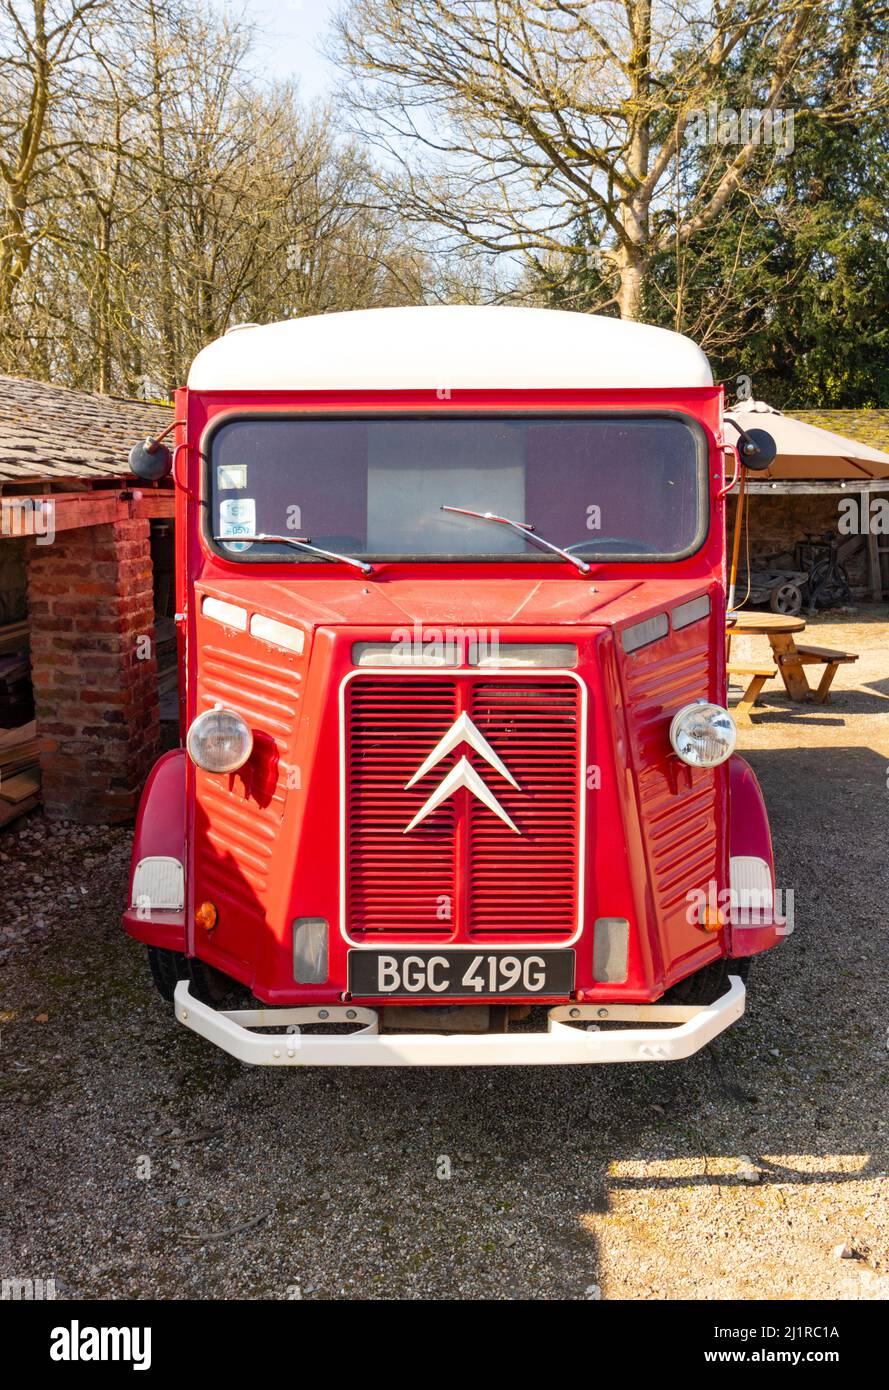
[689,1028]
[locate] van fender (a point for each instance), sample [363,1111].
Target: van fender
[751,866]
[159,835]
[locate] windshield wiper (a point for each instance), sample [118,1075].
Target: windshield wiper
[300,545]
[524,528]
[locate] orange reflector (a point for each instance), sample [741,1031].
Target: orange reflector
[712,919]
[206,916]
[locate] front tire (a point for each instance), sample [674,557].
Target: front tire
[708,984]
[210,986]
[167,969]
[205,983]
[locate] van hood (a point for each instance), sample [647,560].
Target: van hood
[452,603]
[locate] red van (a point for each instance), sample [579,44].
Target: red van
[458,783]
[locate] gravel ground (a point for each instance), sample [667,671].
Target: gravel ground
[138,1161]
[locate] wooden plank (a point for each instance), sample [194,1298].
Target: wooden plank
[790,666]
[822,694]
[10,766]
[13,748]
[14,637]
[807,487]
[763,624]
[11,738]
[9,811]
[874,571]
[20,787]
[744,708]
[767,671]
[809,655]
[848,548]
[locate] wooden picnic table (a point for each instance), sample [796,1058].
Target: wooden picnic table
[779,629]
[790,659]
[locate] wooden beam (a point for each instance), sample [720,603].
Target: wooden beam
[874,570]
[808,487]
[37,514]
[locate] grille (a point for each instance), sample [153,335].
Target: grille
[462,874]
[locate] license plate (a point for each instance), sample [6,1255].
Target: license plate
[464,974]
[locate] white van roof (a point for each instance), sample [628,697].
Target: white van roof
[448,347]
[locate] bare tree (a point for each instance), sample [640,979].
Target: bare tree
[553,128]
[169,197]
[42,43]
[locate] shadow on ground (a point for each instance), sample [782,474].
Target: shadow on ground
[139,1161]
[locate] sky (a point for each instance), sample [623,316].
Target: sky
[292,33]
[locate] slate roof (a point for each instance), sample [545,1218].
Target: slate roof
[867,426]
[49,432]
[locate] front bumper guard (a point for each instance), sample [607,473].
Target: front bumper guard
[690,1028]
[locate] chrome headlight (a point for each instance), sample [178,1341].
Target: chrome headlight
[219,741]
[703,735]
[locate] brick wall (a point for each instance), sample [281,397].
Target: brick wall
[93,666]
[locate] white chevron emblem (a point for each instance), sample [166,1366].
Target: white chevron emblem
[462,774]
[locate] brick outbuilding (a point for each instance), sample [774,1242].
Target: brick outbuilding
[76,570]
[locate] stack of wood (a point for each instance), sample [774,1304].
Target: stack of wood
[16,698]
[19,772]
[13,638]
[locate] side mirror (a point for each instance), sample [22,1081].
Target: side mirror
[150,460]
[757,449]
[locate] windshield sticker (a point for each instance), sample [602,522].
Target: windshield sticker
[230,476]
[237,517]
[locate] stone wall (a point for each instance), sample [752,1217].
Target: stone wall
[775,523]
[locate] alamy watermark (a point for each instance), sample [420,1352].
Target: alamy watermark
[29,516]
[863,515]
[723,125]
[741,907]
[27,1290]
[448,646]
[78,1343]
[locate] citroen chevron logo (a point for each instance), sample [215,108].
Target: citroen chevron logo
[462,774]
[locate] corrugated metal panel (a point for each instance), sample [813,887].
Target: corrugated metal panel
[678,823]
[242,814]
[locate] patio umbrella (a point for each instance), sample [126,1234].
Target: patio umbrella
[805,451]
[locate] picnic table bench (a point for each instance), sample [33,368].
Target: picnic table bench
[832,661]
[790,659]
[758,677]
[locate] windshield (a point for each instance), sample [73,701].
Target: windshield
[603,487]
